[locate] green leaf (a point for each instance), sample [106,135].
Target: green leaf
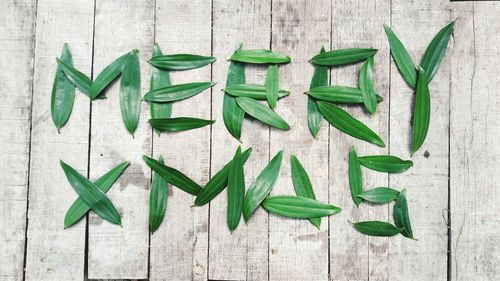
[173,176]
[80,80]
[402,58]
[91,195]
[272,85]
[298,207]
[342,56]
[178,124]
[259,56]
[159,78]
[379,195]
[180,61]
[376,228]
[344,122]
[435,51]
[262,186]
[339,94]
[177,92]
[130,92]
[401,215]
[257,92]
[302,184]
[217,183]
[232,114]
[235,191]
[158,196]
[421,112]
[355,176]
[262,113]
[314,117]
[385,163]
[107,75]
[63,92]
[366,85]
[79,208]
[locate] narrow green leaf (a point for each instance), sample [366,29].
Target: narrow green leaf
[435,51]
[302,184]
[235,191]
[159,78]
[217,183]
[421,112]
[314,117]
[232,114]
[385,163]
[342,56]
[355,176]
[178,124]
[63,92]
[80,80]
[173,176]
[259,56]
[107,75]
[177,92]
[130,92]
[344,122]
[180,61]
[91,195]
[379,195]
[79,208]
[257,92]
[272,85]
[366,85]
[376,228]
[402,58]
[339,94]
[298,207]
[402,216]
[262,186]
[158,196]
[262,113]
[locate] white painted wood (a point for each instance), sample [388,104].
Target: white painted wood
[17,36]
[114,251]
[297,250]
[241,255]
[179,248]
[54,253]
[474,151]
[354,256]
[427,181]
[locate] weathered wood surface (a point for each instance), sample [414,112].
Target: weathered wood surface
[451,188]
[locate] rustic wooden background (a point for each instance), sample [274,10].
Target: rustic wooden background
[452,188]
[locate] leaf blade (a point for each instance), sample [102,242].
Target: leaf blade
[379,195]
[130,92]
[385,163]
[402,58]
[339,94]
[435,51]
[158,199]
[421,111]
[63,92]
[262,113]
[262,186]
[180,61]
[355,177]
[178,124]
[107,75]
[402,216]
[314,117]
[272,85]
[376,228]
[298,207]
[342,56]
[177,92]
[80,80]
[257,92]
[235,191]
[260,57]
[159,78]
[232,114]
[302,184]
[366,85]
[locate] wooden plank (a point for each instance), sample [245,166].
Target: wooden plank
[427,181]
[474,151]
[297,249]
[179,248]
[52,252]
[121,252]
[17,36]
[241,255]
[354,256]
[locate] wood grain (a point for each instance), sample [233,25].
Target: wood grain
[52,252]
[427,180]
[114,251]
[474,153]
[17,34]
[245,250]
[179,249]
